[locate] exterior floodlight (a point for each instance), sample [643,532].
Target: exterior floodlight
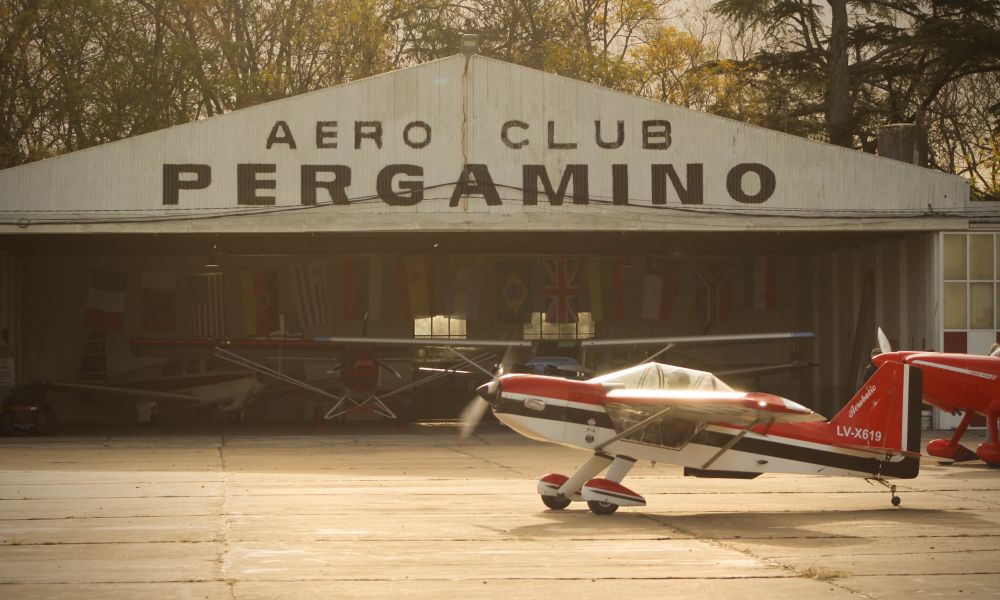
[470,44]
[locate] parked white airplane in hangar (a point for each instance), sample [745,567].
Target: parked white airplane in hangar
[360,362]
[692,418]
[190,382]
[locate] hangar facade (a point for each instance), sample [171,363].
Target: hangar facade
[469,196]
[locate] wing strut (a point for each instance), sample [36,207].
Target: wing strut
[635,427]
[732,442]
[657,353]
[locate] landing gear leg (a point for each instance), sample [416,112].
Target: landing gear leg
[896,500]
[989,451]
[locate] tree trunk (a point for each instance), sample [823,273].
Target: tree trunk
[838,91]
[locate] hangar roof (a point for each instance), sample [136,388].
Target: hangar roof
[473,145]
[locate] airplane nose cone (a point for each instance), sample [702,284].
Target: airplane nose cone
[489,391]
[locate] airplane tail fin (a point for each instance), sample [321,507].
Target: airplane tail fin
[885,413]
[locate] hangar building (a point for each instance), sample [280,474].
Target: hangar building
[469,196]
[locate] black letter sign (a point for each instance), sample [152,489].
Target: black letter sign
[420,143]
[415,189]
[481,184]
[504,134]
[247,184]
[694,193]
[374,132]
[173,184]
[655,130]
[335,186]
[532,174]
[734,183]
[326,130]
[285,137]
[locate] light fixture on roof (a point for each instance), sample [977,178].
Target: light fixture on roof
[470,44]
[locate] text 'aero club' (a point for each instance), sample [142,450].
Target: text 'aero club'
[257,183]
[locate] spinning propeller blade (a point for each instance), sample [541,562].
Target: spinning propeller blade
[473,412]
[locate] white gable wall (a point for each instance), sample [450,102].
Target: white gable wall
[816,186]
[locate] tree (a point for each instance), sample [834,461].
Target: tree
[876,61]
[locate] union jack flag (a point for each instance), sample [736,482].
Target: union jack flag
[561,290]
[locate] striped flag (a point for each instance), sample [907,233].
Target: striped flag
[309,282]
[417,285]
[374,287]
[659,288]
[463,287]
[604,282]
[561,290]
[157,291]
[208,305]
[105,300]
[260,302]
[764,283]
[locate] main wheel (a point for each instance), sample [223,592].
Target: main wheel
[602,508]
[555,502]
[896,500]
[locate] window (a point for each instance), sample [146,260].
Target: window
[538,329]
[971,269]
[954,256]
[440,326]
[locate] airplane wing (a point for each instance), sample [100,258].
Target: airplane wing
[701,339]
[321,344]
[126,393]
[737,408]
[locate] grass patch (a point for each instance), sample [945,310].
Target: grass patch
[822,573]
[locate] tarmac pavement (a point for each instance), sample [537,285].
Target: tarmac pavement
[373,514]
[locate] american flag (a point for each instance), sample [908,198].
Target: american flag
[208,305]
[310,293]
[561,290]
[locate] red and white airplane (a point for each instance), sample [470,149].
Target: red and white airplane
[956,382]
[691,418]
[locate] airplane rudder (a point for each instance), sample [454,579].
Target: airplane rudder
[914,407]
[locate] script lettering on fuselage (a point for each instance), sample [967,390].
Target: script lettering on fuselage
[865,395]
[260,183]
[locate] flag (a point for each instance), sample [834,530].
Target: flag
[561,290]
[309,283]
[762,283]
[463,287]
[157,291]
[355,288]
[604,282]
[374,304]
[94,361]
[514,289]
[659,288]
[417,289]
[105,300]
[362,289]
[208,305]
[714,293]
[260,302]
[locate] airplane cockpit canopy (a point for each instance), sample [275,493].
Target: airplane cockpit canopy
[658,376]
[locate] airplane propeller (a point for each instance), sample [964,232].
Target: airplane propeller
[883,342]
[473,412]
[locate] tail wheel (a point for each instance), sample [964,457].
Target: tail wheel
[601,508]
[555,502]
